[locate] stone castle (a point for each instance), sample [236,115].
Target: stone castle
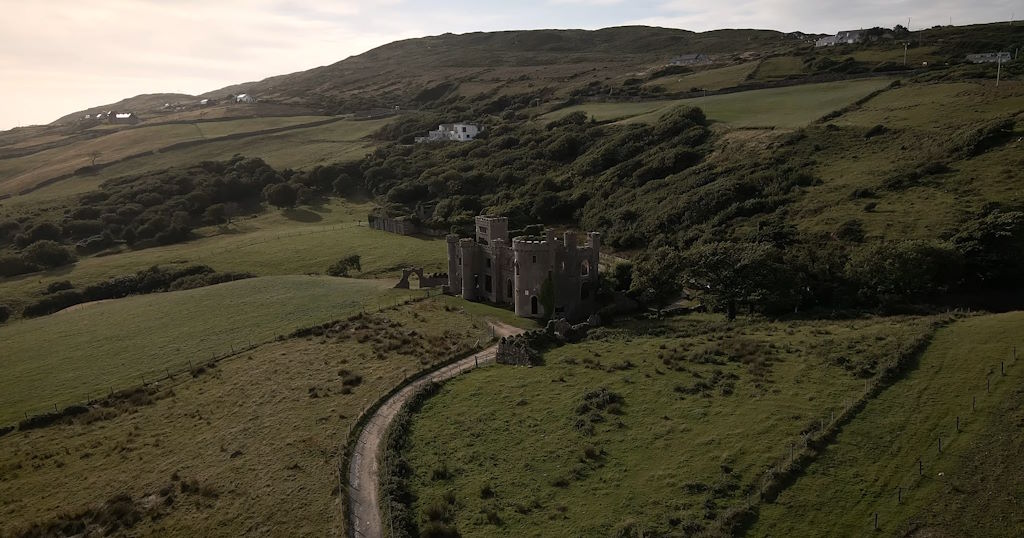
[533,274]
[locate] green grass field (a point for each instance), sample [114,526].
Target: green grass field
[261,434]
[921,119]
[89,349]
[296,241]
[298,148]
[708,79]
[788,107]
[878,452]
[778,67]
[504,441]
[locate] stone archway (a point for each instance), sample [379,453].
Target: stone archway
[411,272]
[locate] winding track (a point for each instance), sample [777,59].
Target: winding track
[364,469]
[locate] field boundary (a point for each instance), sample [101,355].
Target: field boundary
[170,378]
[88,170]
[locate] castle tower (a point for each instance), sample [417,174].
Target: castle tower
[454,264]
[467,251]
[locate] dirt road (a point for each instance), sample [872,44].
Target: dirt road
[364,469]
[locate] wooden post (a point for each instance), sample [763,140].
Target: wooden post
[54,408]
[876,521]
[792,451]
[899,494]
[920,467]
[1002,367]
[974,403]
[958,424]
[940,444]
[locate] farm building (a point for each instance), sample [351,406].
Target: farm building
[244,98]
[691,59]
[123,117]
[461,132]
[989,57]
[846,37]
[539,276]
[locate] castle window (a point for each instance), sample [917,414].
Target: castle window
[508,288]
[585,268]
[533,305]
[487,283]
[534,259]
[488,263]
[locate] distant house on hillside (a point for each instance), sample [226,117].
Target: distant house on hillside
[989,57]
[826,41]
[846,37]
[460,132]
[204,102]
[691,59]
[123,117]
[244,98]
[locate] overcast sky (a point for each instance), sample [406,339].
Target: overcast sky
[58,56]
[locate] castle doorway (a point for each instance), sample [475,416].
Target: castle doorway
[508,288]
[533,305]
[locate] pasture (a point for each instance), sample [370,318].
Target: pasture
[700,409]
[294,148]
[90,349]
[788,107]
[707,79]
[877,453]
[250,447]
[296,241]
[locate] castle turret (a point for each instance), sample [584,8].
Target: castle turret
[468,270]
[454,266]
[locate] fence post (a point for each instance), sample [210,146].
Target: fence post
[920,466]
[974,403]
[940,444]
[899,494]
[876,521]
[957,424]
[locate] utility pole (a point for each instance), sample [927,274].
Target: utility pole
[999,67]
[905,45]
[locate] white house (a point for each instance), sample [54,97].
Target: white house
[244,98]
[460,132]
[826,41]
[846,37]
[123,117]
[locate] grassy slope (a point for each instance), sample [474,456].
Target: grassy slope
[275,243]
[281,481]
[922,119]
[708,79]
[296,149]
[878,451]
[512,428]
[776,107]
[86,350]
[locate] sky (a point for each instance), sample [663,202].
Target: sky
[59,56]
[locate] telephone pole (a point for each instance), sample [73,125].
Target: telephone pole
[905,45]
[999,67]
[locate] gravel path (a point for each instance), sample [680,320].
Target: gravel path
[364,470]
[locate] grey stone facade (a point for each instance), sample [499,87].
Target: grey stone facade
[492,268]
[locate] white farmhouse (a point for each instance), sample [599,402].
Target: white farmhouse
[244,98]
[460,132]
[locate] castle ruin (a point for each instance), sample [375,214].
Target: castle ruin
[533,274]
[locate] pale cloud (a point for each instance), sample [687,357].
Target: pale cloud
[57,56]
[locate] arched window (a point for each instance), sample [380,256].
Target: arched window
[517,268]
[585,268]
[508,288]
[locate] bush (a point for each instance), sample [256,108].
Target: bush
[5,313]
[344,265]
[48,254]
[59,285]
[15,265]
[281,195]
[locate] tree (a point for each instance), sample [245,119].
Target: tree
[732,273]
[231,210]
[657,277]
[344,265]
[48,254]
[280,195]
[215,214]
[93,155]
[898,271]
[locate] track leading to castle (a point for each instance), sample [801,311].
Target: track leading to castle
[364,469]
